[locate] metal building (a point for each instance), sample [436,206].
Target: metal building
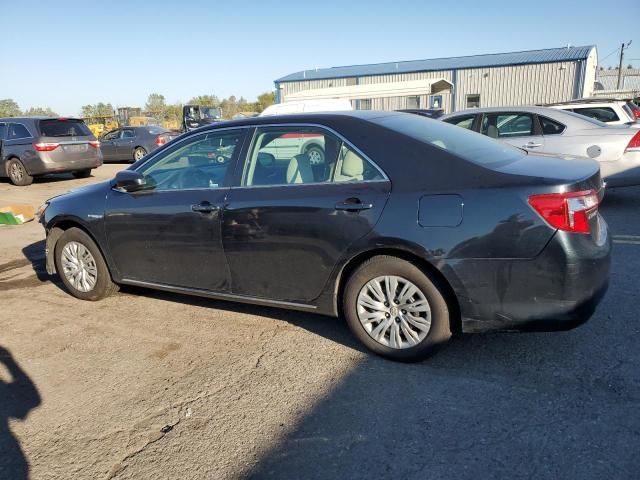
[517,78]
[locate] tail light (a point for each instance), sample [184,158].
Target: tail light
[161,140]
[94,143]
[567,211]
[45,147]
[634,143]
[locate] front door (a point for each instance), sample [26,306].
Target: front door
[171,235]
[125,144]
[290,220]
[519,129]
[108,146]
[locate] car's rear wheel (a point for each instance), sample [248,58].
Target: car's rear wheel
[139,153]
[17,173]
[82,173]
[81,266]
[395,309]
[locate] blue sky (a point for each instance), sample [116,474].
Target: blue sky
[66,54]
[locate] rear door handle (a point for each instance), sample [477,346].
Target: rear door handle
[532,145]
[204,207]
[353,205]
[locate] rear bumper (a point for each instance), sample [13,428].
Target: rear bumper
[557,290]
[42,164]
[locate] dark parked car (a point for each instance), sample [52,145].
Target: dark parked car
[133,143]
[34,146]
[411,229]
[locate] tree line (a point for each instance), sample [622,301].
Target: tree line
[155,107]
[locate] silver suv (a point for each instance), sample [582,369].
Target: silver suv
[608,110]
[33,146]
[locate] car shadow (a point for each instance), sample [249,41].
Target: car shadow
[18,397]
[35,255]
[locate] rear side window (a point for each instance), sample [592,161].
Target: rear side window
[550,127]
[460,142]
[17,131]
[604,114]
[63,128]
[3,131]
[464,121]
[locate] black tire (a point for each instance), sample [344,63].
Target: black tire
[438,333]
[17,173]
[138,153]
[82,173]
[316,154]
[104,286]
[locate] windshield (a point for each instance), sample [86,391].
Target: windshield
[461,142]
[210,112]
[64,128]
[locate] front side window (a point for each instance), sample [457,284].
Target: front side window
[303,155]
[506,125]
[128,133]
[113,135]
[473,101]
[201,162]
[17,131]
[604,114]
[465,121]
[551,127]
[3,131]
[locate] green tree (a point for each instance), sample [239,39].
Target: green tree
[629,66]
[156,106]
[208,100]
[40,112]
[9,108]
[264,100]
[173,113]
[98,110]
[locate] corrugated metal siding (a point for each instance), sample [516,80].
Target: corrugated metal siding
[452,63]
[517,85]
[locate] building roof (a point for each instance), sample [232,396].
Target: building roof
[549,55]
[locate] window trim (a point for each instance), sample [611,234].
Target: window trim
[466,100]
[228,175]
[255,127]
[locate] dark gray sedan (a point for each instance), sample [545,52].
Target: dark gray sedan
[133,143]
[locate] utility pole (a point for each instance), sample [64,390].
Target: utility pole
[622,47]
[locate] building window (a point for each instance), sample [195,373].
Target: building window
[352,81]
[435,101]
[413,102]
[473,101]
[364,104]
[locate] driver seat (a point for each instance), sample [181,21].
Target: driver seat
[299,170]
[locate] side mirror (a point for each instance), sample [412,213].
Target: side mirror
[131,181]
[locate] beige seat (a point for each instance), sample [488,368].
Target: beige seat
[352,168]
[299,170]
[492,131]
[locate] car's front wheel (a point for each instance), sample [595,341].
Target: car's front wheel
[81,266]
[395,309]
[17,173]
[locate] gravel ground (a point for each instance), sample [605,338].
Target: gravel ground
[157,385]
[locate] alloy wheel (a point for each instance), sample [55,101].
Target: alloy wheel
[394,312]
[16,171]
[79,266]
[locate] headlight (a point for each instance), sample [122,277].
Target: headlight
[41,210]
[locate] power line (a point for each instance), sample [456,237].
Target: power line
[603,59]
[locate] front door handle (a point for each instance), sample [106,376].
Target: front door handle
[353,205]
[204,207]
[532,145]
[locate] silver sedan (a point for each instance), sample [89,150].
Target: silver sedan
[561,133]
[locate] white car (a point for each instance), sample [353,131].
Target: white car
[609,111]
[560,133]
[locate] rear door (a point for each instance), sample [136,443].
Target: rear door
[3,136]
[287,222]
[125,144]
[519,129]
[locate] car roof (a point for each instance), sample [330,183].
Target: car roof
[553,113]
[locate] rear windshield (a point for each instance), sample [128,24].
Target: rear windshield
[461,142]
[63,128]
